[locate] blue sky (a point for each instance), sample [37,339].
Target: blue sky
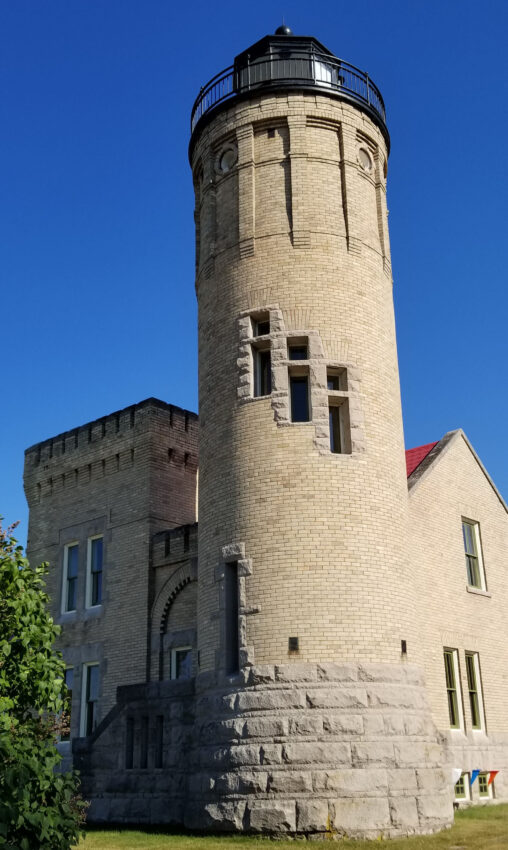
[97,247]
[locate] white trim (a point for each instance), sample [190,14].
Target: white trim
[82,714]
[63,601]
[88,591]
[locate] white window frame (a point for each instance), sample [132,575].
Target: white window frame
[174,650]
[458,690]
[467,789]
[89,569]
[83,716]
[479,691]
[479,553]
[63,606]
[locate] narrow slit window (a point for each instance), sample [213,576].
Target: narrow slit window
[336,441]
[299,389]
[262,372]
[91,696]
[159,740]
[232,636]
[143,759]
[129,744]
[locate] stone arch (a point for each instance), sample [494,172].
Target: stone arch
[181,578]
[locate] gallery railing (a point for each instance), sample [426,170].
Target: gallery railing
[291,69]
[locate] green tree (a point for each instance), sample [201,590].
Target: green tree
[39,808]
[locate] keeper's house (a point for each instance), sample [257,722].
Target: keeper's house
[325,653]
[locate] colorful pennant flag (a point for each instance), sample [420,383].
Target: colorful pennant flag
[456,774]
[492,776]
[474,774]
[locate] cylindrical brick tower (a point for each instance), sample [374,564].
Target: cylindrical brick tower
[313,716]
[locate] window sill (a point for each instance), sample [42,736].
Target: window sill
[478,591]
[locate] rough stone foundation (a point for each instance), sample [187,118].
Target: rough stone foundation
[316,749]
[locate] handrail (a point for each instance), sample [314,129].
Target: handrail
[294,68]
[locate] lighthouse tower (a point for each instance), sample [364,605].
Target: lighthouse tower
[312,713]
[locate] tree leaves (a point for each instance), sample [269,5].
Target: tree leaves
[39,807]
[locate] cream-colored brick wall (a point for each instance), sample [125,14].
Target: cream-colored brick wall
[455,486]
[326,533]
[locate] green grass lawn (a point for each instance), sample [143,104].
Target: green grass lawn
[478,828]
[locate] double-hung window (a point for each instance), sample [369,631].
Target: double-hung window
[474,690]
[70,577]
[94,571]
[89,698]
[473,553]
[452,677]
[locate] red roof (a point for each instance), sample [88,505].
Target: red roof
[414,457]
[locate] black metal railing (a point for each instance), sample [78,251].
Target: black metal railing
[291,68]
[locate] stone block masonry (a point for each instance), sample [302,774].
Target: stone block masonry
[269,753]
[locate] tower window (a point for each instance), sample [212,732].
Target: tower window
[336,440]
[261,326]
[336,379]
[262,372]
[299,391]
[298,352]
[232,635]
[338,417]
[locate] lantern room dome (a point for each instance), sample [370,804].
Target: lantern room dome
[287,62]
